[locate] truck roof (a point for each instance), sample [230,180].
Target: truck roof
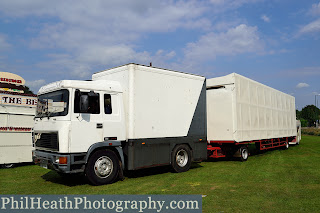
[231,79]
[141,65]
[101,85]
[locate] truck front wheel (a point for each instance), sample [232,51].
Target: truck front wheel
[102,167]
[181,158]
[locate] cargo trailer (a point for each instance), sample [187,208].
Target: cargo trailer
[241,111]
[17,111]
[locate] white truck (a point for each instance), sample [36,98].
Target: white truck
[16,127]
[241,111]
[129,117]
[134,116]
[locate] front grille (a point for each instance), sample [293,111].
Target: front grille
[48,141]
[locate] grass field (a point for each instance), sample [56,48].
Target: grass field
[275,181]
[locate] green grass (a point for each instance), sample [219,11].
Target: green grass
[275,181]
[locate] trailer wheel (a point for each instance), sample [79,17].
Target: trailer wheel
[257,144]
[102,167]
[181,158]
[244,153]
[8,166]
[286,146]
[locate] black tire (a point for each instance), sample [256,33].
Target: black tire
[286,146]
[102,167]
[8,166]
[181,158]
[257,144]
[244,153]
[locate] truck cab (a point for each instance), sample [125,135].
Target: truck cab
[73,118]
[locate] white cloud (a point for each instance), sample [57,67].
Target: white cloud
[237,40]
[225,5]
[64,63]
[35,84]
[312,27]
[3,42]
[234,3]
[302,85]
[95,33]
[313,72]
[315,10]
[265,18]
[136,16]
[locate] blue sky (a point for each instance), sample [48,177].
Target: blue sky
[275,42]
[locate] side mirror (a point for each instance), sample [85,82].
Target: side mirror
[84,103]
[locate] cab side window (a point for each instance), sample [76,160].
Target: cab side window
[107,104]
[93,102]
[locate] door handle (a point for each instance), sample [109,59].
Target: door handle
[99,126]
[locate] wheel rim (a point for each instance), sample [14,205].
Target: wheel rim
[8,166]
[244,154]
[182,158]
[103,167]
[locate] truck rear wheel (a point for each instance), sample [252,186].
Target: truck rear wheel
[244,153]
[181,158]
[8,166]
[102,167]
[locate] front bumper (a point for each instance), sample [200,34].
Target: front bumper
[73,163]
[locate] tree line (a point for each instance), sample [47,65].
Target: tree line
[309,116]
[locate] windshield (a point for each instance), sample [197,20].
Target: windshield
[53,104]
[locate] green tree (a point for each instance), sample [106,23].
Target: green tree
[27,90]
[304,122]
[311,114]
[298,114]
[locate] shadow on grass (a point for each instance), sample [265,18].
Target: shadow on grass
[79,179]
[65,179]
[252,152]
[16,165]
[155,171]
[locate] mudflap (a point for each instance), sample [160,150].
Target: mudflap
[121,175]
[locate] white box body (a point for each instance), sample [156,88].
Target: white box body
[240,109]
[158,103]
[16,127]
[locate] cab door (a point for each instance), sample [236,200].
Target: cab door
[86,126]
[113,121]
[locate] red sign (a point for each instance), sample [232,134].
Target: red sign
[10,80]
